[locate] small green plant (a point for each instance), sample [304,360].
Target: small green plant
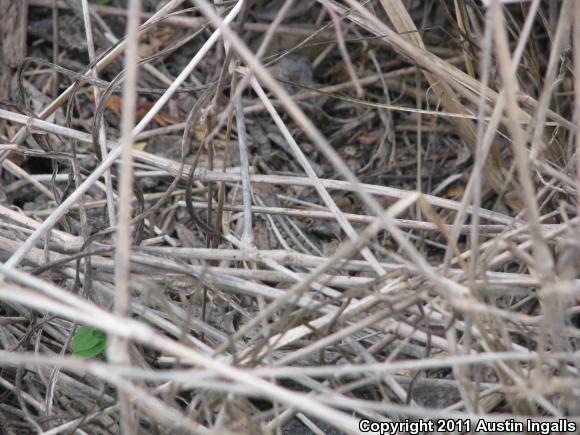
[88,342]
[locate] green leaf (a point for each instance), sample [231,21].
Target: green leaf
[92,352]
[88,342]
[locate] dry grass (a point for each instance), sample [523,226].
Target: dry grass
[298,216]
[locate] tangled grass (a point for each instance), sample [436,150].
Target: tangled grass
[289,217]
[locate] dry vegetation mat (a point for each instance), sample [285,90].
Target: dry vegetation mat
[289,217]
